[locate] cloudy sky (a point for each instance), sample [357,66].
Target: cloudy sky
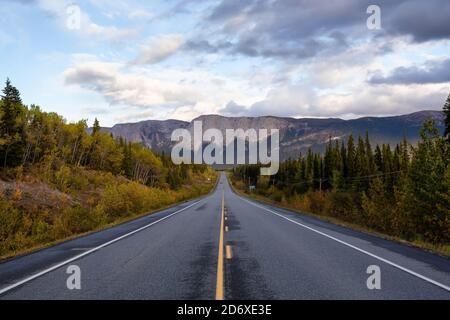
[134,60]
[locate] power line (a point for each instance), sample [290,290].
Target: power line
[350,179]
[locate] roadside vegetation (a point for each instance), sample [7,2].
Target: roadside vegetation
[59,179]
[402,191]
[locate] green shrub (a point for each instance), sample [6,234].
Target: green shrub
[10,219]
[79,219]
[62,178]
[277,196]
[345,205]
[42,231]
[319,203]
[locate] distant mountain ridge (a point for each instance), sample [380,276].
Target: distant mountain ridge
[297,135]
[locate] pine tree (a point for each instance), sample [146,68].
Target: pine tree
[446,110]
[404,149]
[96,127]
[361,166]
[369,154]
[328,160]
[351,156]
[344,160]
[427,197]
[11,126]
[11,94]
[378,159]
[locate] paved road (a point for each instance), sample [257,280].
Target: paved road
[268,253]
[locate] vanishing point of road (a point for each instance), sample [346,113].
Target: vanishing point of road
[225,246]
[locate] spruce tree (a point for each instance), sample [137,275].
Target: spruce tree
[351,156]
[446,110]
[344,160]
[96,127]
[378,159]
[427,199]
[11,94]
[11,126]
[370,157]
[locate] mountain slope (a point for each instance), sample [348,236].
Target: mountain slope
[296,135]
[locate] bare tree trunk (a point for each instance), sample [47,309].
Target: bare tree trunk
[6,156]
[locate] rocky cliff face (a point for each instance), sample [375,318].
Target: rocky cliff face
[152,133]
[296,135]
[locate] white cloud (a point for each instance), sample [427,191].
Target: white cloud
[89,28]
[361,100]
[384,100]
[111,34]
[96,110]
[135,116]
[128,89]
[140,14]
[159,48]
[186,113]
[269,63]
[167,92]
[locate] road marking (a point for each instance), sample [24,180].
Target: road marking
[229,252]
[59,265]
[219,282]
[226,229]
[443,286]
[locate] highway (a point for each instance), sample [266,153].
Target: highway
[224,246]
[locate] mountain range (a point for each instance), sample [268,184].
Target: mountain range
[297,135]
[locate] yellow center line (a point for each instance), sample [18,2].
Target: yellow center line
[219,283]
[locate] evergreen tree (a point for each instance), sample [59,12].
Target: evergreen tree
[351,156]
[329,160]
[11,126]
[446,110]
[361,166]
[96,127]
[378,159]
[369,154]
[397,189]
[427,198]
[344,161]
[11,94]
[404,150]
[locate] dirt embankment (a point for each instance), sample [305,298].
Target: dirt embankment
[35,195]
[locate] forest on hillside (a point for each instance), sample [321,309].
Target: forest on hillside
[402,190]
[57,180]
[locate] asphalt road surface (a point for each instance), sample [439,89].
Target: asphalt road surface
[228,247]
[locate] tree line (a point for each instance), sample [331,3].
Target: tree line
[60,179]
[30,136]
[402,190]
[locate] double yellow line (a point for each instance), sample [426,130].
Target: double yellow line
[219,283]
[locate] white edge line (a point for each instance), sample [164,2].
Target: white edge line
[59,265]
[443,286]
